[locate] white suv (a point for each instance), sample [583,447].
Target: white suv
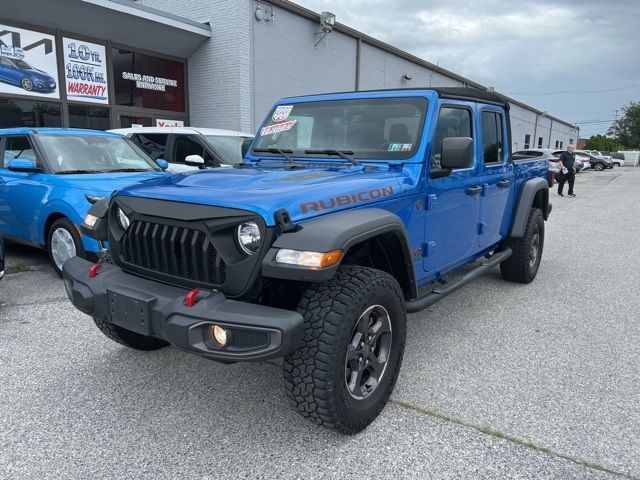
[190,148]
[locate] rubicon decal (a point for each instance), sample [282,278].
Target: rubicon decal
[350,199]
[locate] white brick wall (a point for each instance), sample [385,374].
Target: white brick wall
[220,70]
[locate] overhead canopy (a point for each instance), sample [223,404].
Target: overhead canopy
[121,21]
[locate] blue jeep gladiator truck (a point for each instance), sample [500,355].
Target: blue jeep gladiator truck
[349,211]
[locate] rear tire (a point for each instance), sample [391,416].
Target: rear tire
[354,337]
[598,167]
[127,337]
[522,266]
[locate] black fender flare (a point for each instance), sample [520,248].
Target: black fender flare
[528,192]
[335,231]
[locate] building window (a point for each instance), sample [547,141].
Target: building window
[527,141]
[539,142]
[571,141]
[148,82]
[95,118]
[557,144]
[560,144]
[29,113]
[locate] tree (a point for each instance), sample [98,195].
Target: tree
[600,142]
[627,129]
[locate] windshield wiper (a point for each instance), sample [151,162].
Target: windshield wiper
[129,170]
[285,153]
[68,172]
[346,154]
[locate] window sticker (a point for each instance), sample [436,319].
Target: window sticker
[400,147]
[277,128]
[282,113]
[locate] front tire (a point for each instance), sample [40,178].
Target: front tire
[598,167]
[522,266]
[127,337]
[354,337]
[63,243]
[26,84]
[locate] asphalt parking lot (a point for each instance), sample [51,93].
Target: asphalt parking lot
[499,380]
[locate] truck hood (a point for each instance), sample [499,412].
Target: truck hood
[101,184]
[305,193]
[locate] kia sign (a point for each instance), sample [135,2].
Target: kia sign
[169,123]
[85,66]
[28,63]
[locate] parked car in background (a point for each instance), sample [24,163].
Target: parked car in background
[552,159]
[1,258]
[598,163]
[15,71]
[190,148]
[49,177]
[617,158]
[606,155]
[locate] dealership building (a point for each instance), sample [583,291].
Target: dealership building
[209,63]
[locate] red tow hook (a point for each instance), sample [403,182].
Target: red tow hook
[93,269]
[190,300]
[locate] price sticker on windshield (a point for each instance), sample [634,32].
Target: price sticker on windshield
[282,113]
[400,147]
[277,128]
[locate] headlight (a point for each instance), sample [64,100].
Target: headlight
[90,220]
[249,237]
[308,259]
[123,220]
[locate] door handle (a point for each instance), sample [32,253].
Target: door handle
[504,183]
[475,190]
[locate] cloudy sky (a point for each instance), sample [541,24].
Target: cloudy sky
[578,60]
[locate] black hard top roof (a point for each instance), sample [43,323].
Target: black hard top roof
[458,93]
[469,93]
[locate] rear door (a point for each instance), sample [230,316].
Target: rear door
[453,202]
[496,175]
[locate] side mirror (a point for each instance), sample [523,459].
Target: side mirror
[162,163]
[23,165]
[457,152]
[194,161]
[246,143]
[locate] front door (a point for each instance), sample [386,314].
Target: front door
[497,177]
[21,193]
[453,202]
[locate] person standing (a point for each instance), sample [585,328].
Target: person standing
[567,170]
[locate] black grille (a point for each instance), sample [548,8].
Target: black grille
[180,252]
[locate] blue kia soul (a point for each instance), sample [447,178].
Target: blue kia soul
[49,177]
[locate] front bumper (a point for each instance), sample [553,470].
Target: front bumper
[158,310]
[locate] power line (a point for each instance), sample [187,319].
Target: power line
[576,92]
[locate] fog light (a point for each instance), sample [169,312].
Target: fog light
[220,334]
[217,336]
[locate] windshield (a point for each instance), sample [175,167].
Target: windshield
[94,153]
[385,128]
[228,148]
[22,64]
